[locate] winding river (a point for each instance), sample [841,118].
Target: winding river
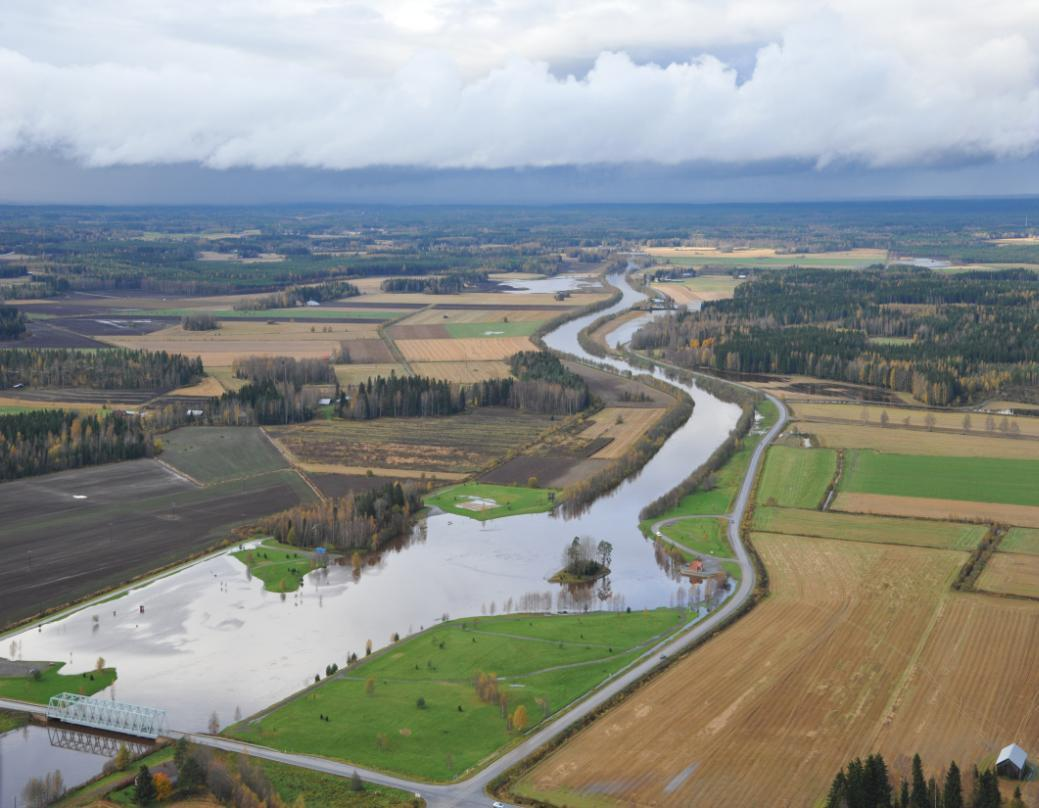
[208,639]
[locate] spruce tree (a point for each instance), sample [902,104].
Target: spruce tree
[952,794]
[918,793]
[144,787]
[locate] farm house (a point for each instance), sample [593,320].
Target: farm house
[1012,762]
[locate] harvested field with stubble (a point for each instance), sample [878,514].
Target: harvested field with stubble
[367,351]
[438,315]
[1011,574]
[622,426]
[836,662]
[929,508]
[853,413]
[879,529]
[462,372]
[1020,540]
[918,441]
[453,350]
[456,444]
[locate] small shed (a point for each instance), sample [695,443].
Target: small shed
[1012,762]
[313,303]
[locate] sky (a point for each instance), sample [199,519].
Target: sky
[501,100]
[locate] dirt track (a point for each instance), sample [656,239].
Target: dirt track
[134,517]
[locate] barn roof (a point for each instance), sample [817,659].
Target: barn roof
[1015,754]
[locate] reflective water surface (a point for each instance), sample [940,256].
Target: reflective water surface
[208,639]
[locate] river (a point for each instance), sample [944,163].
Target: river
[211,640]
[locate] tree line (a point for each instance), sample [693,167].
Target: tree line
[451,284]
[108,369]
[199,322]
[361,521]
[43,441]
[285,369]
[867,784]
[12,322]
[945,339]
[299,295]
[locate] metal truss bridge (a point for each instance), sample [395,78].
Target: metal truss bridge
[113,716]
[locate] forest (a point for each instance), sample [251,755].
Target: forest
[12,322]
[360,521]
[43,441]
[946,339]
[284,369]
[452,284]
[110,369]
[300,295]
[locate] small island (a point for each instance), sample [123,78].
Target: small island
[584,561]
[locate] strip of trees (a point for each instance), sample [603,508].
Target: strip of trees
[284,369]
[199,322]
[299,296]
[867,784]
[359,521]
[43,441]
[12,322]
[452,284]
[109,369]
[945,339]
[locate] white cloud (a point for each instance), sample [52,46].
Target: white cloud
[476,83]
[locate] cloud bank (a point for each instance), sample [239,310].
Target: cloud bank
[497,84]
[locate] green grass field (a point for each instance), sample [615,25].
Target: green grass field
[52,682]
[882,529]
[10,721]
[281,567]
[213,453]
[717,501]
[701,536]
[511,500]
[973,479]
[543,662]
[1020,540]
[496,329]
[796,478]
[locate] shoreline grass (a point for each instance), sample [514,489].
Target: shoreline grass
[511,500]
[52,682]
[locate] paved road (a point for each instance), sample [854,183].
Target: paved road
[473,790]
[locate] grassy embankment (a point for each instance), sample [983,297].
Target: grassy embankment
[414,708]
[281,567]
[511,500]
[52,682]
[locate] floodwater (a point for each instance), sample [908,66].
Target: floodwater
[208,639]
[34,751]
[559,283]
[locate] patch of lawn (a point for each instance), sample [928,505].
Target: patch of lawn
[510,500]
[413,708]
[796,478]
[1020,540]
[701,536]
[281,567]
[292,782]
[717,500]
[12,720]
[972,479]
[52,682]
[493,329]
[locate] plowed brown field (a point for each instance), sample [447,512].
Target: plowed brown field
[928,508]
[831,665]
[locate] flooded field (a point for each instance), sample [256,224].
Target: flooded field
[208,639]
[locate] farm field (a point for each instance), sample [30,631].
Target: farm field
[53,681]
[930,508]
[896,439]
[453,350]
[60,531]
[880,529]
[485,501]
[854,413]
[796,478]
[462,372]
[492,300]
[1008,573]
[513,328]
[387,728]
[458,315]
[1020,540]
[461,444]
[208,454]
[706,536]
[1011,482]
[621,426]
[699,289]
[768,258]
[355,374]
[371,350]
[836,662]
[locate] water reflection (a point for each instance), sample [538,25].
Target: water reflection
[213,641]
